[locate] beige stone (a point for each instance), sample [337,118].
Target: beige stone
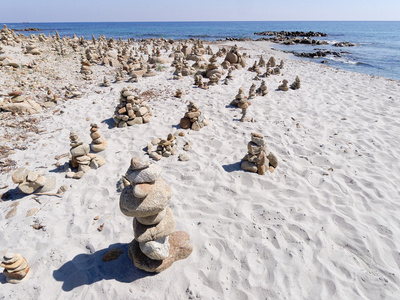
[155,201]
[145,233]
[180,248]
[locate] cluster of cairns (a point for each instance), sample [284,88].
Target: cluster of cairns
[31,49]
[17,103]
[294,86]
[256,160]
[33,182]
[81,158]
[99,143]
[16,268]
[131,110]
[193,119]
[272,68]
[161,147]
[156,244]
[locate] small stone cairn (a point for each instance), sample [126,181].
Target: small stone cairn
[198,81]
[262,90]
[256,160]
[155,246]
[193,118]
[16,268]
[296,84]
[131,110]
[81,158]
[163,147]
[284,86]
[252,91]
[33,182]
[99,143]
[240,100]
[106,82]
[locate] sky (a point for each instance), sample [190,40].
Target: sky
[16,11]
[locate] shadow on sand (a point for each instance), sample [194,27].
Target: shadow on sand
[86,269]
[232,167]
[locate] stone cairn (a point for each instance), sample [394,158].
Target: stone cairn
[252,91]
[131,110]
[284,86]
[106,82]
[240,100]
[16,268]
[296,84]
[155,246]
[262,90]
[163,147]
[198,81]
[193,118]
[72,92]
[33,182]
[178,93]
[256,160]
[99,143]
[81,158]
[86,71]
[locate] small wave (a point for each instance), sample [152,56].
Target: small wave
[347,61]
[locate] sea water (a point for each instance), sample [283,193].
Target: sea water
[377,50]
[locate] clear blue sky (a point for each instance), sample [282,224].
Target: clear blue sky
[201,10]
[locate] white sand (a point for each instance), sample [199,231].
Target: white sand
[303,232]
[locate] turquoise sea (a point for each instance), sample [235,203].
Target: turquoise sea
[377,50]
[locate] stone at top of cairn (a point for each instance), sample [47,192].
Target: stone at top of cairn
[284,86]
[16,268]
[256,160]
[296,84]
[155,246]
[193,118]
[99,143]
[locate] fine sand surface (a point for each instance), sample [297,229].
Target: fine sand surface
[324,225]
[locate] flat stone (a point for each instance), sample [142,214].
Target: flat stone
[141,190]
[155,156]
[248,166]
[184,157]
[257,140]
[80,150]
[158,249]
[153,219]
[32,176]
[138,164]
[145,233]
[180,248]
[95,135]
[137,120]
[99,147]
[49,185]
[11,213]
[152,204]
[41,180]
[146,175]
[28,187]
[19,175]
[31,212]
[15,93]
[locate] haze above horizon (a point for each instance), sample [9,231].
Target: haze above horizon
[18,11]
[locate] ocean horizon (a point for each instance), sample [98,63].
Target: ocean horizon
[377,50]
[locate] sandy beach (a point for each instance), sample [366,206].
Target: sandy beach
[324,225]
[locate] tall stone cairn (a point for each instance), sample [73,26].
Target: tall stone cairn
[256,160]
[156,244]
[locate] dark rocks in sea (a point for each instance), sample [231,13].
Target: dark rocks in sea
[319,53]
[293,40]
[27,29]
[238,39]
[292,33]
[344,44]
